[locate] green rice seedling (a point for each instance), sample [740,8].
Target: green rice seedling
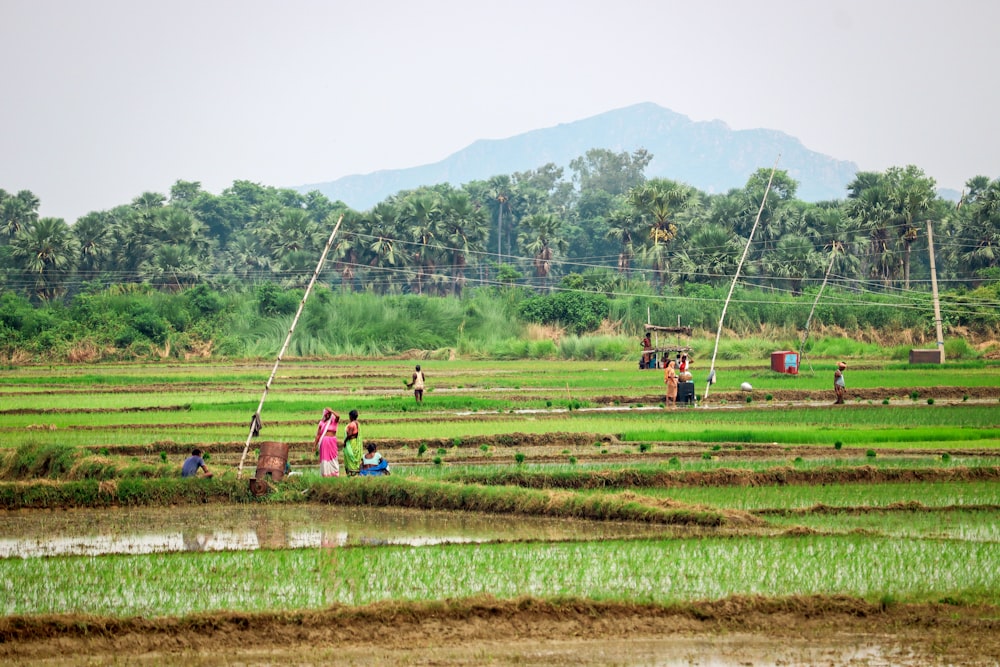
[519,458]
[871,453]
[914,395]
[885,401]
[660,571]
[706,456]
[645,447]
[442,451]
[163,456]
[930,401]
[422,449]
[572,460]
[437,460]
[838,445]
[779,498]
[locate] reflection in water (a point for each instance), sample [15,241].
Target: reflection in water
[238,527]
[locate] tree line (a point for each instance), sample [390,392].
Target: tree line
[604,227]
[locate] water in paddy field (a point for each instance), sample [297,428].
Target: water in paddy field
[34,533]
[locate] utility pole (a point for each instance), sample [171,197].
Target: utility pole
[934,292]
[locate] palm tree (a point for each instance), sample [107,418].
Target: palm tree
[291,241]
[501,191]
[979,229]
[345,255]
[17,211]
[868,205]
[464,229]
[173,266]
[656,203]
[46,252]
[793,259]
[828,228]
[382,230]
[542,239]
[710,257]
[94,234]
[420,216]
[911,195]
[623,227]
[245,258]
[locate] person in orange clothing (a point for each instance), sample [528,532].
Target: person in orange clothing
[670,378]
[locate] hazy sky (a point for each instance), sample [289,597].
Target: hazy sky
[106,99]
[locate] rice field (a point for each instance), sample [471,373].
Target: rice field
[564,427]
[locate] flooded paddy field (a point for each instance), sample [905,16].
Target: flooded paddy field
[556,518]
[149,530]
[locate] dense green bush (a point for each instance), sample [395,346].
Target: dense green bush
[578,312]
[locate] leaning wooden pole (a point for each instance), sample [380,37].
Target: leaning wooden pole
[805,334]
[739,267]
[255,420]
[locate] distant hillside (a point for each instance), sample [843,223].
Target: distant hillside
[707,155]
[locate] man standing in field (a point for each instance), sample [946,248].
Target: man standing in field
[417,383]
[647,352]
[839,386]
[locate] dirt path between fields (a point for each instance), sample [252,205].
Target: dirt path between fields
[737,631]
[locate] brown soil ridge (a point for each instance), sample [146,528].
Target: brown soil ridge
[780,476]
[954,632]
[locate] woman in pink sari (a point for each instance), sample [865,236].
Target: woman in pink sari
[326,441]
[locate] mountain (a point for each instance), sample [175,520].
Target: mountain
[708,155]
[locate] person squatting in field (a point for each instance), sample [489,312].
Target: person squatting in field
[193,463]
[374,463]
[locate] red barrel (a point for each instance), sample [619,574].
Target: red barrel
[272,460]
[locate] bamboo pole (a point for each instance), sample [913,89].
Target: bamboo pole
[255,420]
[739,267]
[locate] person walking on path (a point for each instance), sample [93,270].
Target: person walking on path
[352,445]
[670,378]
[417,383]
[839,386]
[326,442]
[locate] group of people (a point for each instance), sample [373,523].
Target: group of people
[671,377]
[357,461]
